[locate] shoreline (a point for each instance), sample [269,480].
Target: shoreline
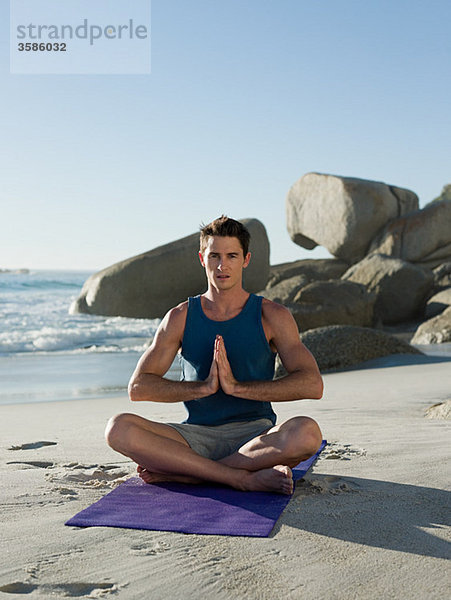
[55,377]
[69,376]
[368,522]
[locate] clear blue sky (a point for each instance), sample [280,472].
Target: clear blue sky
[245,96]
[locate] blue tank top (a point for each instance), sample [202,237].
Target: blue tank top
[249,354]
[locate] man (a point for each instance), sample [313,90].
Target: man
[228,340]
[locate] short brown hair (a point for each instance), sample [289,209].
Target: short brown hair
[223,226]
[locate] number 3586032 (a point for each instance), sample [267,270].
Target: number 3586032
[42,47]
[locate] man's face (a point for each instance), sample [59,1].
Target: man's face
[224,261]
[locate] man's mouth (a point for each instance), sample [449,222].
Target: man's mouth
[222,276]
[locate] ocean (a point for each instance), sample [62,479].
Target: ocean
[47,354]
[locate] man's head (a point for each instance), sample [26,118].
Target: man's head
[225,227]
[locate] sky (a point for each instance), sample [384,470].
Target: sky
[244,97]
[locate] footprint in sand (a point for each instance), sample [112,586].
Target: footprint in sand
[35,570]
[32,446]
[336,451]
[99,476]
[77,589]
[149,549]
[41,464]
[441,410]
[328,484]
[67,492]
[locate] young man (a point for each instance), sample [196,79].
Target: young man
[228,340]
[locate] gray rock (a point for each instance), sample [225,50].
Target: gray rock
[438,303]
[434,331]
[343,214]
[401,288]
[333,302]
[285,290]
[148,285]
[436,258]
[423,236]
[341,346]
[320,269]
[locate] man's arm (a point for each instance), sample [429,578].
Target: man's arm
[147,381]
[303,379]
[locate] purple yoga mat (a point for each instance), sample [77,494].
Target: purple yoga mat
[204,509]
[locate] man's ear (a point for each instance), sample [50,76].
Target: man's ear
[247,259]
[201,258]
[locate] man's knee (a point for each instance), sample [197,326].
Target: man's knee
[118,428]
[303,437]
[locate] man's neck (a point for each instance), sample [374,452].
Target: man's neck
[224,304]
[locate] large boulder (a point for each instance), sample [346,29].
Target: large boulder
[423,236]
[284,291]
[320,269]
[287,279]
[343,214]
[401,288]
[434,331]
[148,285]
[340,346]
[324,303]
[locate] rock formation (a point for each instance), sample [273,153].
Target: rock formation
[422,237]
[343,214]
[320,269]
[384,251]
[388,243]
[434,331]
[284,291]
[332,302]
[401,288]
[340,346]
[148,285]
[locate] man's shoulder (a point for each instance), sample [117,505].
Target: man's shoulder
[178,312]
[175,318]
[273,310]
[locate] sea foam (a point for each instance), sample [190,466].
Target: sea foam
[34,317]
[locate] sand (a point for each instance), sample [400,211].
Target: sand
[368,522]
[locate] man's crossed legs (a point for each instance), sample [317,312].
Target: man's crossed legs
[262,464]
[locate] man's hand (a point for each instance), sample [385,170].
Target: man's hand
[212,381]
[226,379]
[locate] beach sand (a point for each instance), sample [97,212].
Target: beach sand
[368,522]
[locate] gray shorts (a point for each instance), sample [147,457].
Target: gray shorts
[219,441]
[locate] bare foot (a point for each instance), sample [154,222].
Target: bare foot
[150,477]
[276,479]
